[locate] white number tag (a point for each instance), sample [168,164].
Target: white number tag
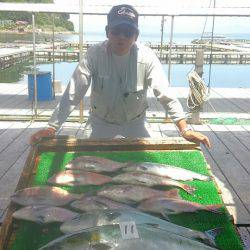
[128,230]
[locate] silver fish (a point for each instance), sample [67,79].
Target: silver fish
[150,180]
[142,237]
[92,203]
[78,178]
[94,164]
[166,206]
[130,194]
[43,195]
[169,171]
[44,214]
[116,216]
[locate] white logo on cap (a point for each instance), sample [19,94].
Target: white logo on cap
[124,11]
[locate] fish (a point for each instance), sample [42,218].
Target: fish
[132,194]
[168,171]
[43,214]
[150,180]
[125,236]
[44,195]
[78,178]
[167,206]
[93,203]
[116,216]
[94,164]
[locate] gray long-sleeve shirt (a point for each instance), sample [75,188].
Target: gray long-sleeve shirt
[118,91]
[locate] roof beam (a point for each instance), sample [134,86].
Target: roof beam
[143,10]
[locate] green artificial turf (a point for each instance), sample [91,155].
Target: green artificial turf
[30,236]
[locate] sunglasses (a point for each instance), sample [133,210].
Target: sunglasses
[125,31]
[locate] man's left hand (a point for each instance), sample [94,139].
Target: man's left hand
[197,137]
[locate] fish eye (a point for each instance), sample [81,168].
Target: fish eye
[76,218]
[143,168]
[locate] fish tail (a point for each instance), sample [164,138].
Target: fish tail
[68,166]
[207,178]
[188,189]
[109,179]
[125,164]
[79,196]
[165,216]
[172,193]
[215,208]
[211,235]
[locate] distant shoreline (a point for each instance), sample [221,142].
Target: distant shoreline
[38,33]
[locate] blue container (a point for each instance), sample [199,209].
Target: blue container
[45,91]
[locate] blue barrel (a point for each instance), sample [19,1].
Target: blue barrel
[45,91]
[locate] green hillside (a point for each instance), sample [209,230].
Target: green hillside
[43,20]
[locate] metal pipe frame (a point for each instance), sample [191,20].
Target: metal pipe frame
[170,48]
[81,49]
[162,32]
[143,10]
[34,97]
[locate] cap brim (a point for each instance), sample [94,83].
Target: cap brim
[123,22]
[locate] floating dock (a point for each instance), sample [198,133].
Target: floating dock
[180,53]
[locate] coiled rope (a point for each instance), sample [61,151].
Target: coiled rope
[198,91]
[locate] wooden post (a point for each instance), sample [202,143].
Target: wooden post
[199,61]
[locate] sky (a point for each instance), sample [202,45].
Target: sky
[223,25]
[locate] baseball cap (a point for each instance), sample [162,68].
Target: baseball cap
[123,14]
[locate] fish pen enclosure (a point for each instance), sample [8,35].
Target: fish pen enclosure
[50,156]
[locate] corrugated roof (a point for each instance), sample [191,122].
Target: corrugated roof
[143,10]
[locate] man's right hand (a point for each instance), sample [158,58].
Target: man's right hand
[49,132]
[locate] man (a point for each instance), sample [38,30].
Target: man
[120,71]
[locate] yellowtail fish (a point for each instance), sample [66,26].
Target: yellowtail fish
[124,237]
[116,216]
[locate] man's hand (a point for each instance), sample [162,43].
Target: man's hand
[35,138]
[197,137]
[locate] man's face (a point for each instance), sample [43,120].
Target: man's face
[121,38]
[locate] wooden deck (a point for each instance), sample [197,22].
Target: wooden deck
[229,157]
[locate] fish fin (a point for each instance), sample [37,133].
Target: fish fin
[211,235]
[128,163]
[188,189]
[172,193]
[78,196]
[207,178]
[215,208]
[165,216]
[153,225]
[125,164]
[100,246]
[68,166]
[40,219]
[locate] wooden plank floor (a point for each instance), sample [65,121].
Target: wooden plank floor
[228,160]
[235,103]
[229,157]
